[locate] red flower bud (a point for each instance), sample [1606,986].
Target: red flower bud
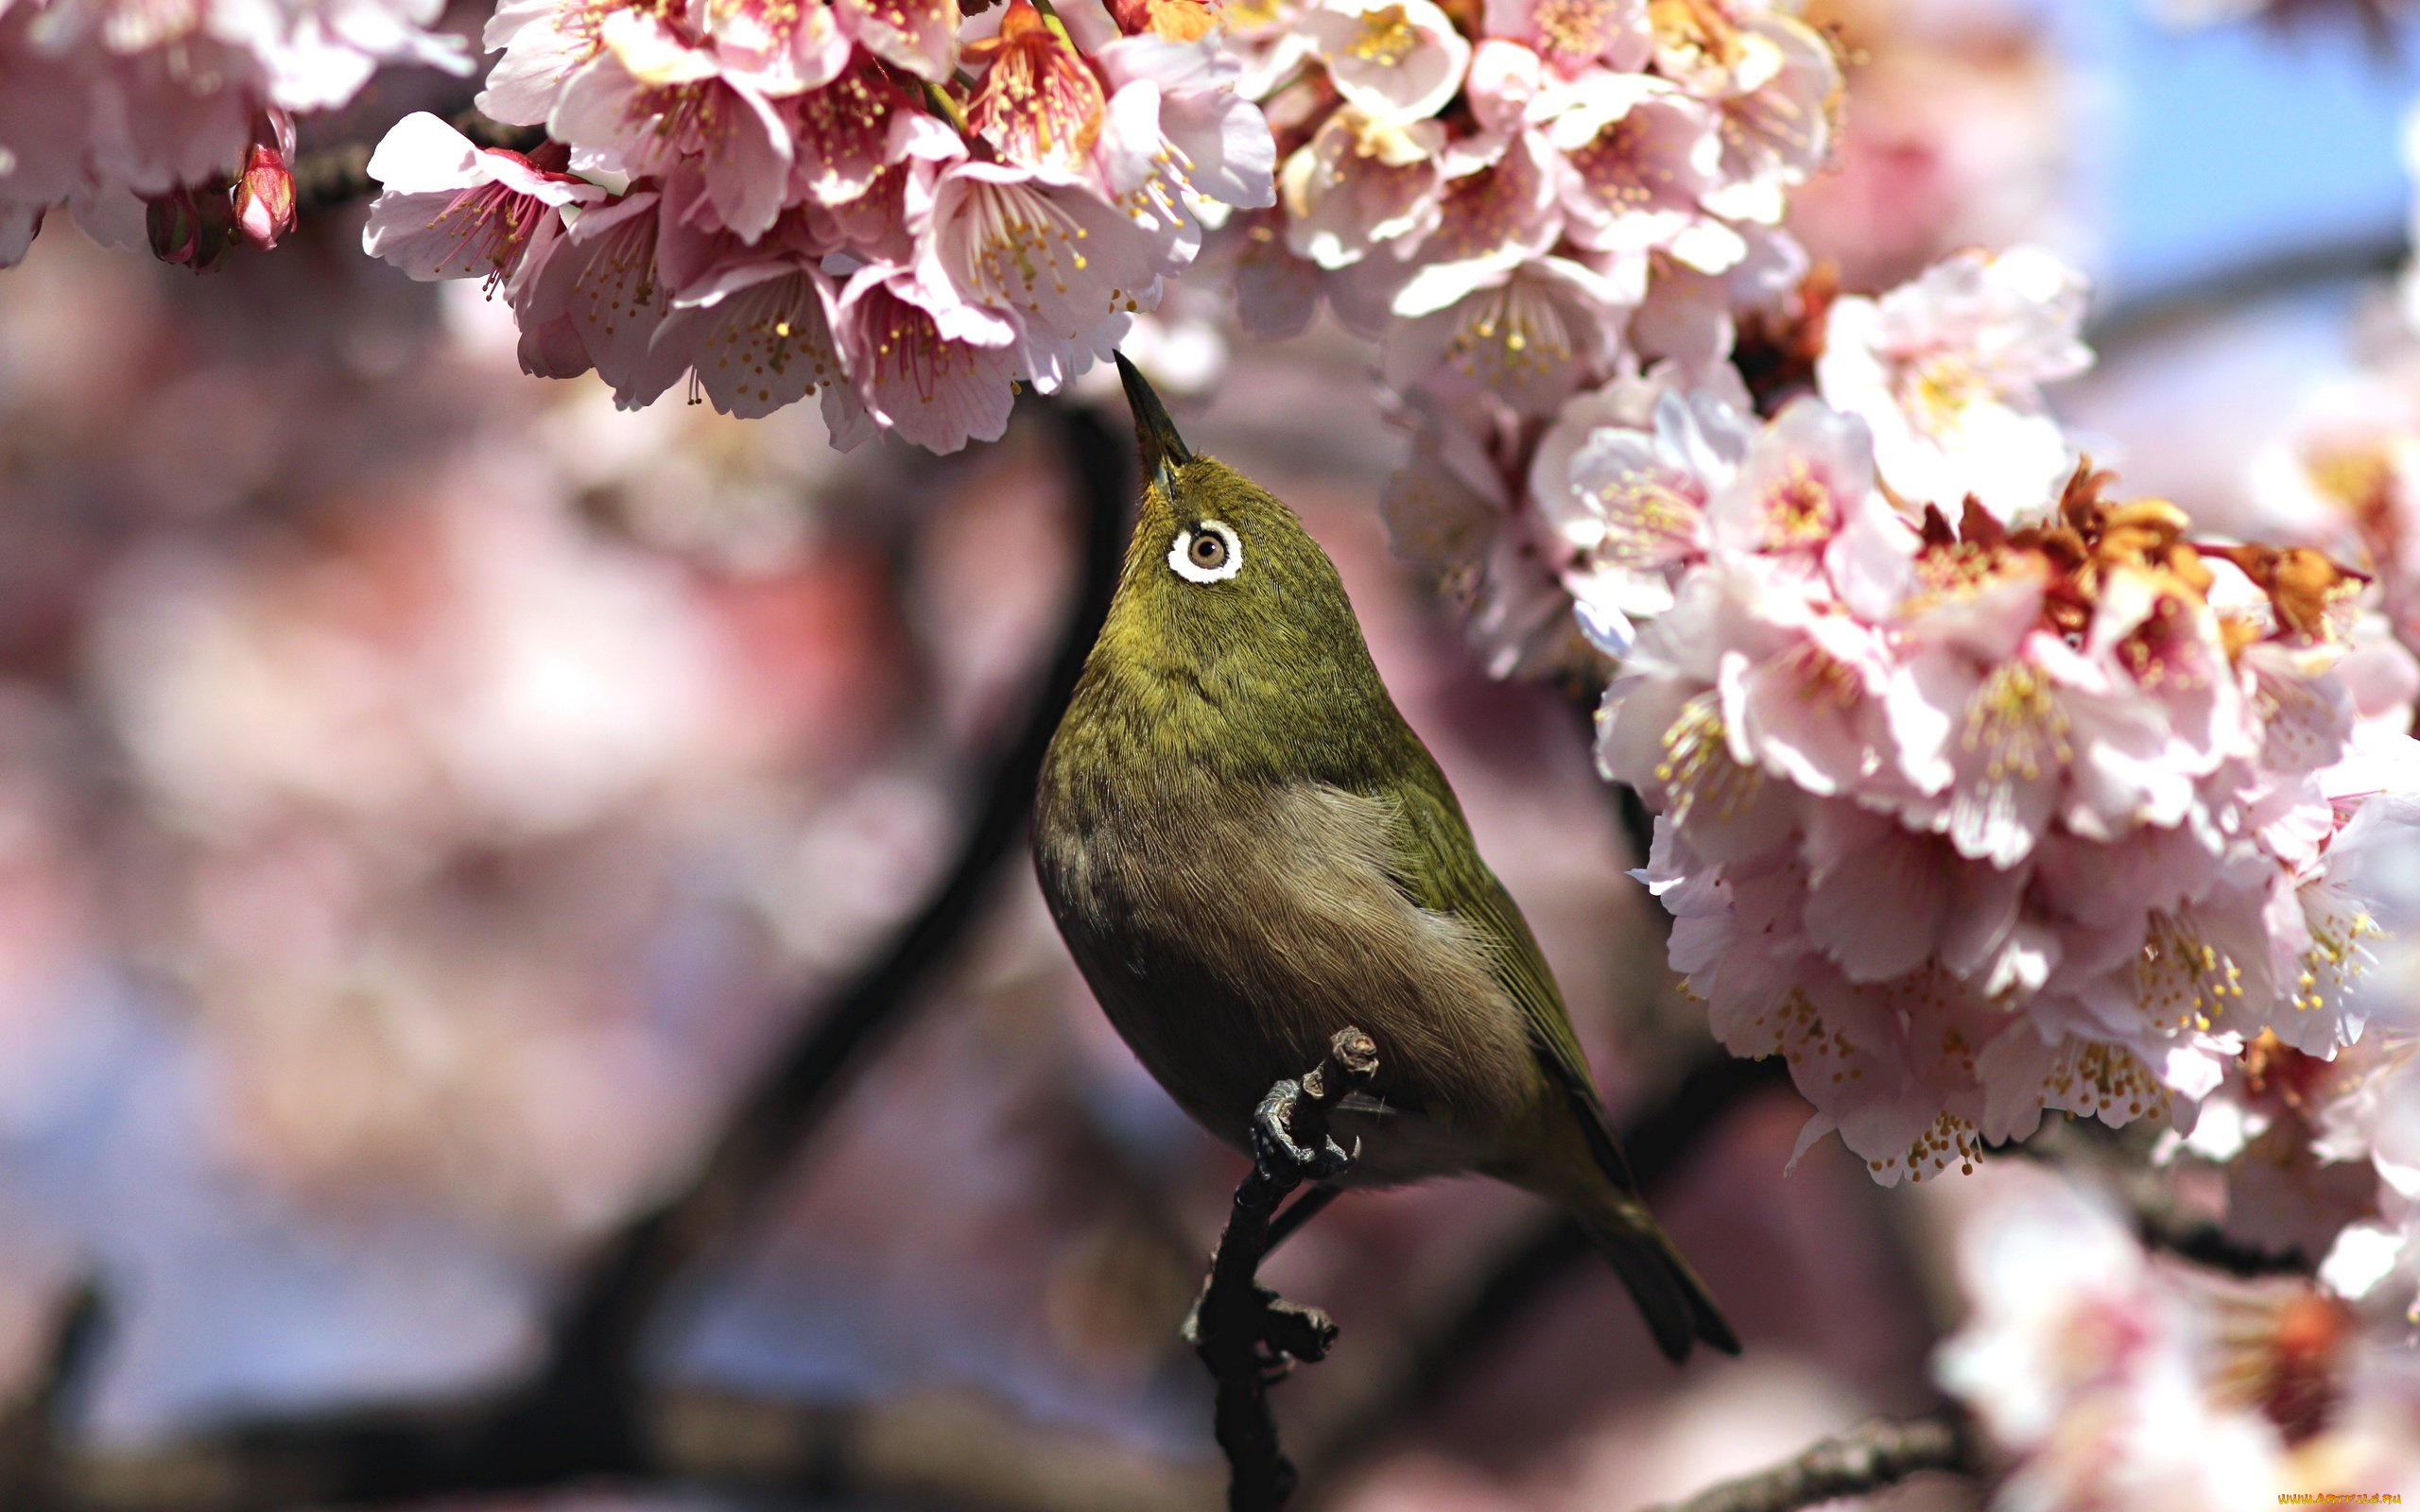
[264,202]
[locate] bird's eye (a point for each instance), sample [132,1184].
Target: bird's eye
[1208,553]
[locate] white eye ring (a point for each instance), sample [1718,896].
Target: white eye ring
[1181,554]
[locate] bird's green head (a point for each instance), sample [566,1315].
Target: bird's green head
[1230,625]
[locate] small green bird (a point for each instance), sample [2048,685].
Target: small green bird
[1247,850]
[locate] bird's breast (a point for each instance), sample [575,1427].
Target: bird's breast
[1230,931]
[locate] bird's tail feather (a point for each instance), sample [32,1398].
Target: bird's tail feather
[1678,1309]
[1677,1306]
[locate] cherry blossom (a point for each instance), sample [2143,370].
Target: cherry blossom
[1643,154]
[1572,36]
[264,192]
[1598,191]
[2107,1376]
[1458,513]
[1631,500]
[1970,824]
[451,210]
[918,37]
[651,98]
[594,297]
[871,201]
[2370,1117]
[1362,183]
[1040,105]
[1392,59]
[1776,132]
[1947,371]
[759,335]
[936,390]
[1530,332]
[1181,142]
[2321,1156]
[1045,267]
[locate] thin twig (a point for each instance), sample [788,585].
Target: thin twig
[1247,1335]
[1868,1458]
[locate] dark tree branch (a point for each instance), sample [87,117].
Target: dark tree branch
[1247,1336]
[2165,310]
[1290,1222]
[949,1449]
[1868,1458]
[2159,1221]
[31,1424]
[584,1415]
[598,1336]
[2206,1244]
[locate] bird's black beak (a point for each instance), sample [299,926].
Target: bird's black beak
[1164,450]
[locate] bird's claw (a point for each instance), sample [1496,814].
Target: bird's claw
[1275,1149]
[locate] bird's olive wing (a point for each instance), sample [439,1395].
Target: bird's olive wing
[1441,870]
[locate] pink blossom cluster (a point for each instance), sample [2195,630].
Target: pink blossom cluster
[1523,201]
[2104,1377]
[1943,373]
[1976,821]
[1513,194]
[905,211]
[108,104]
[2322,1157]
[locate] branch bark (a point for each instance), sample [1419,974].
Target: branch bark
[1868,1458]
[30,1425]
[2205,1244]
[951,1450]
[584,1416]
[1247,1335]
[598,1336]
[2163,310]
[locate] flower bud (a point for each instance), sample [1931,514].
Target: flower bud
[264,199]
[192,227]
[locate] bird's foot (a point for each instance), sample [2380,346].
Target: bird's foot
[1283,1159]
